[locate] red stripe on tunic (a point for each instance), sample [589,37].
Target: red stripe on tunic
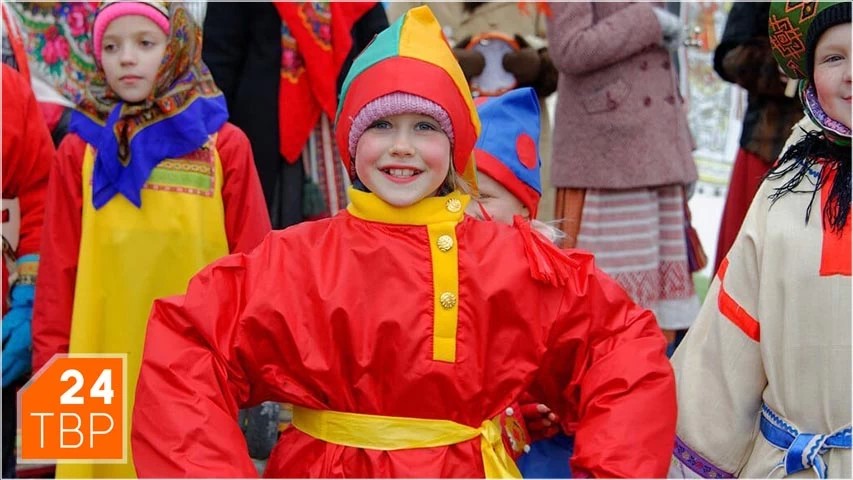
[733,311]
[835,249]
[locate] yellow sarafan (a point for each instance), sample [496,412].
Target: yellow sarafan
[130,256]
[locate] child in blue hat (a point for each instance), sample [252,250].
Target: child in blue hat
[508,166]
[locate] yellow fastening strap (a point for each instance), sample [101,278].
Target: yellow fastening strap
[379,432]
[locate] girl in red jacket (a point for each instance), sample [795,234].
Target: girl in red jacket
[403,332]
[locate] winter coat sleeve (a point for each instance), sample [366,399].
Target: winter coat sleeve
[60,247]
[581,43]
[202,358]
[719,368]
[246,217]
[619,400]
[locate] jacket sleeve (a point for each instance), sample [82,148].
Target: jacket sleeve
[60,247]
[615,390]
[246,217]
[580,43]
[32,154]
[196,373]
[719,369]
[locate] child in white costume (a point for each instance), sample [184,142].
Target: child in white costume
[764,374]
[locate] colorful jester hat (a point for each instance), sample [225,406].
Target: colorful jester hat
[508,147]
[412,57]
[795,28]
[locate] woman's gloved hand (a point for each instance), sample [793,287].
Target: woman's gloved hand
[671,28]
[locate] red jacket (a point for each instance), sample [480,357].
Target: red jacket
[338,315]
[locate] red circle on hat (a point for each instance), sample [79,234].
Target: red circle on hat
[525,147]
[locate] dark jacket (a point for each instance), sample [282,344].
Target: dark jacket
[242,48]
[744,57]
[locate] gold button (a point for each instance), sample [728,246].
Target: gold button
[448,300]
[454,205]
[445,243]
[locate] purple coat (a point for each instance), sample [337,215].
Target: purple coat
[620,121]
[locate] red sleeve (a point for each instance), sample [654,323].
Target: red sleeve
[60,248]
[620,400]
[194,373]
[27,154]
[246,218]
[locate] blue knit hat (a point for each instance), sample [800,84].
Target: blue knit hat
[508,147]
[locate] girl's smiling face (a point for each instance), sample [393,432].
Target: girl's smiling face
[403,158]
[832,72]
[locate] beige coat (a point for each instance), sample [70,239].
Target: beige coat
[773,330]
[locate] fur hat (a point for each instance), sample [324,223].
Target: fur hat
[508,148]
[410,57]
[157,12]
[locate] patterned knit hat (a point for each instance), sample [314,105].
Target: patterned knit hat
[508,148]
[109,10]
[395,104]
[795,28]
[411,57]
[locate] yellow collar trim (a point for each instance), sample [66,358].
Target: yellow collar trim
[368,206]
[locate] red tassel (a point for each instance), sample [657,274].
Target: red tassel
[548,263]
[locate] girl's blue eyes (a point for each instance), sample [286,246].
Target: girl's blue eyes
[382,124]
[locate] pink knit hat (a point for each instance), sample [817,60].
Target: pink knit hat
[157,12]
[394,104]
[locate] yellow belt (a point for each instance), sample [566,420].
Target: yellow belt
[378,432]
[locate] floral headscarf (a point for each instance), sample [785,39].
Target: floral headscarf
[184,108]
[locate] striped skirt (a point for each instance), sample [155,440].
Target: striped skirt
[637,237]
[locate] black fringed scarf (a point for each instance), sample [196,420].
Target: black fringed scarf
[800,159]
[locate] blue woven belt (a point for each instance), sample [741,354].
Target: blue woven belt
[802,450]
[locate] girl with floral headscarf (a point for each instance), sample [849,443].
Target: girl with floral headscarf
[764,373]
[151,185]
